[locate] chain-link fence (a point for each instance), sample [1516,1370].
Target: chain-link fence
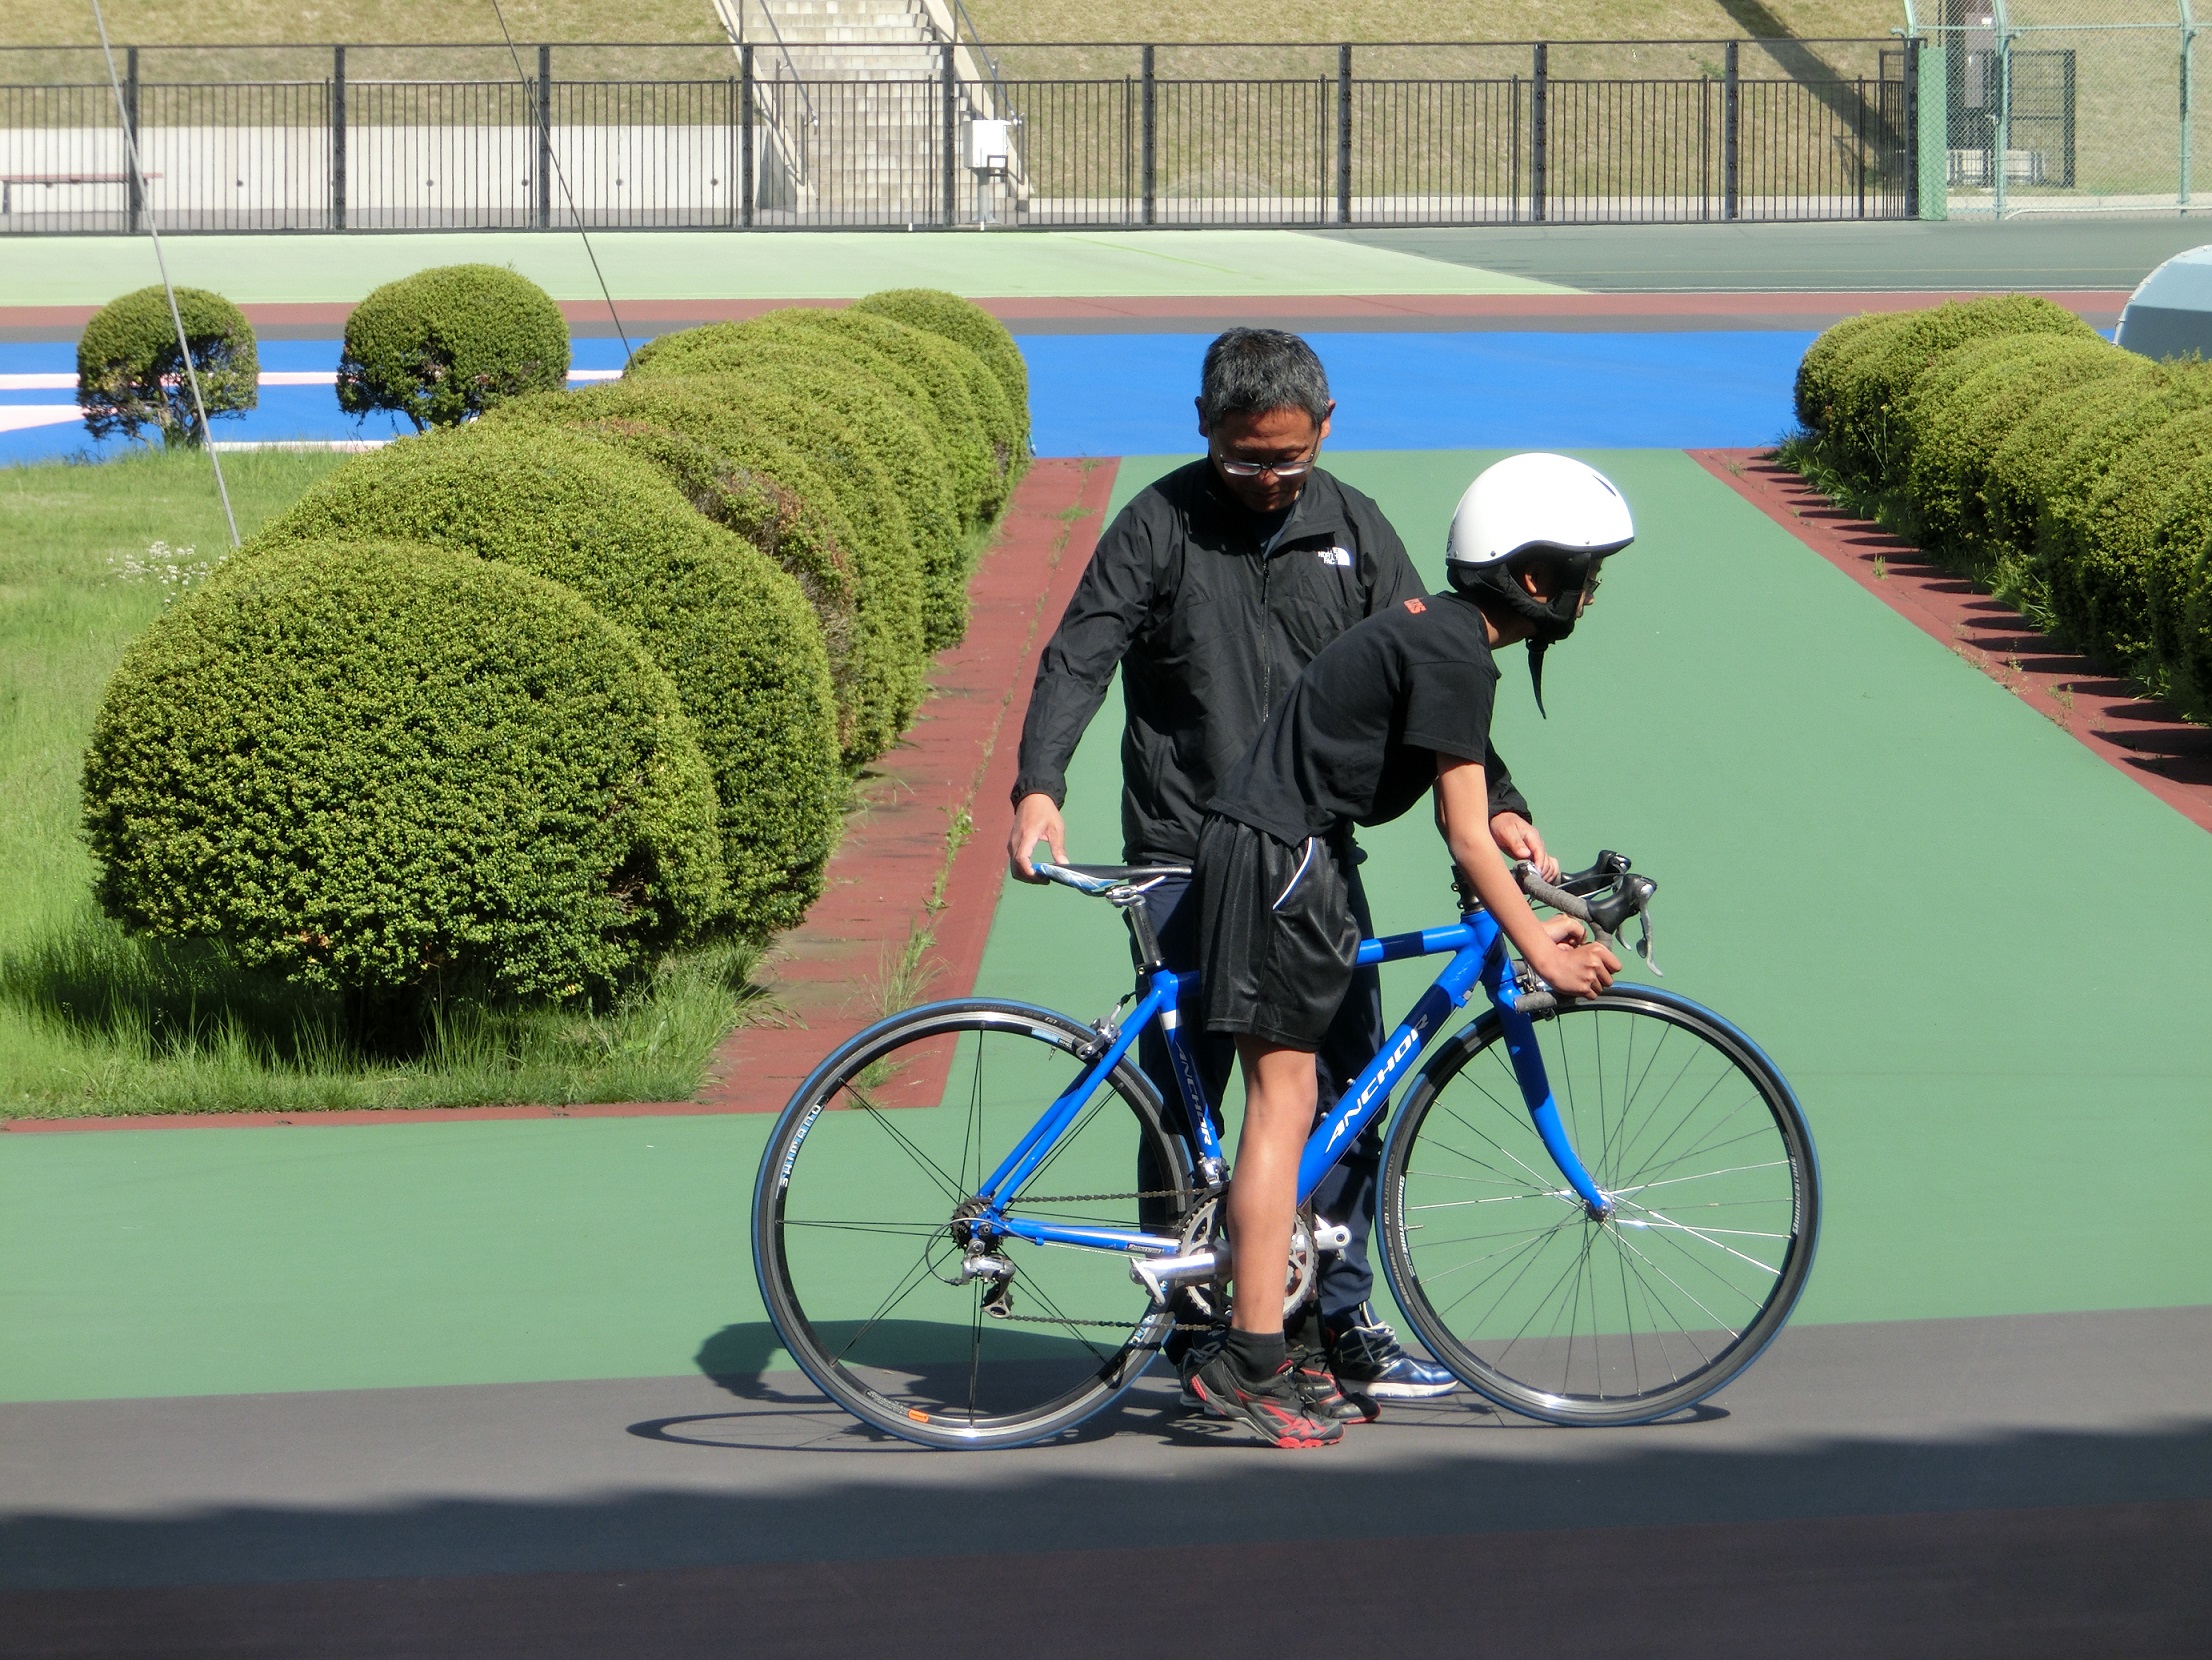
[2061,105]
[753,135]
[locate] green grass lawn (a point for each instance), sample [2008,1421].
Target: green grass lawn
[94,1021]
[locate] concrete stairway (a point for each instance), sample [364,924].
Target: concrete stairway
[861,139]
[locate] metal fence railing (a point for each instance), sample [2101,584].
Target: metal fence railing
[753,137]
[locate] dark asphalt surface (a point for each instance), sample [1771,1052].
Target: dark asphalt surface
[2012,1485]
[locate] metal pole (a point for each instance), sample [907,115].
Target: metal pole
[1731,135]
[545,137]
[2188,52]
[1344,134]
[951,141]
[2004,118]
[1912,129]
[1705,147]
[1539,136]
[337,138]
[130,133]
[745,96]
[1151,158]
[1858,150]
[1513,166]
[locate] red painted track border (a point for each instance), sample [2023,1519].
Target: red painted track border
[2140,736]
[899,875]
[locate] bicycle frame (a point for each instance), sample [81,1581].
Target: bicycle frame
[1479,958]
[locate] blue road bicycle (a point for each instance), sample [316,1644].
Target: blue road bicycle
[972,1221]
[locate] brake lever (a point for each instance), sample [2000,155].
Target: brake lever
[1643,944]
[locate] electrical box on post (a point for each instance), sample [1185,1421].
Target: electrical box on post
[991,147]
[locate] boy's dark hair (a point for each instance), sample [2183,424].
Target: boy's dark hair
[1249,371]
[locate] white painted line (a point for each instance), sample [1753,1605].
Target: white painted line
[21,417]
[61,382]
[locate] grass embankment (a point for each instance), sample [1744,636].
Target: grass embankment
[268,22]
[94,1021]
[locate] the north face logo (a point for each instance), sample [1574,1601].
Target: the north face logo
[1335,556]
[1415,606]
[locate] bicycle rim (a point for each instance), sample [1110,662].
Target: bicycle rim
[1575,1319]
[853,1227]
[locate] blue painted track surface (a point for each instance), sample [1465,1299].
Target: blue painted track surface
[1130,394]
[1104,394]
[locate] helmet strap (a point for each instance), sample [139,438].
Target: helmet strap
[1536,649]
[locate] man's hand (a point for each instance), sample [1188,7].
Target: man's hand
[1036,818]
[1517,839]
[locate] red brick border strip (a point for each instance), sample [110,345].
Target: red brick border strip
[899,875]
[2140,736]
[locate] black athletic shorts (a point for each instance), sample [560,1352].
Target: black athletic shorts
[1276,937]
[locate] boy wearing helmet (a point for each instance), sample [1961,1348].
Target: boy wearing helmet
[1395,709]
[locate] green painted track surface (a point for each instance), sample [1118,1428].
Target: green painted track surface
[690,265]
[1976,950]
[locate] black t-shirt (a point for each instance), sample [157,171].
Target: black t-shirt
[1356,741]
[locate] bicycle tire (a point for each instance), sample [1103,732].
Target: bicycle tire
[1631,1317]
[853,1237]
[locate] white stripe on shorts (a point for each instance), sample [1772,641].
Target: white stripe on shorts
[1297,875]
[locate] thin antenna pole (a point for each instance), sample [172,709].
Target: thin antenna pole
[161,261]
[544,124]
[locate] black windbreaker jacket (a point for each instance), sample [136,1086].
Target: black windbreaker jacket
[1209,631]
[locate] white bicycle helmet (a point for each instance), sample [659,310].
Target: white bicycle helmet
[1528,509]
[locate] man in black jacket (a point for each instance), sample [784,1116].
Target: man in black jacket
[1211,591]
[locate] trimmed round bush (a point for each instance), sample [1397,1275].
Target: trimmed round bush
[382,767]
[2017,479]
[446,344]
[866,591]
[850,408]
[2096,549]
[1006,434]
[731,630]
[1964,407]
[969,325]
[921,367]
[130,369]
[2178,579]
[1882,366]
[1831,356]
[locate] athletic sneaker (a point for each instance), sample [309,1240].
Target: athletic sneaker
[1198,1347]
[1271,1408]
[1319,1389]
[1368,1359]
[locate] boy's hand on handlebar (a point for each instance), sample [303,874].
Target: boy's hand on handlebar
[1036,818]
[1578,971]
[1517,839]
[1566,930]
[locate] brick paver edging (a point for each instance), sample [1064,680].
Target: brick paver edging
[900,877]
[2140,736]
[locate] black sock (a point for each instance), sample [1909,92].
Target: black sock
[1256,1354]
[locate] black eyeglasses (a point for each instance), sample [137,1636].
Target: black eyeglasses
[1253,469]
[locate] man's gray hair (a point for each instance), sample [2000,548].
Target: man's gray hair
[1250,371]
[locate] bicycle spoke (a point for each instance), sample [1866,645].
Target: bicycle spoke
[1644,1310]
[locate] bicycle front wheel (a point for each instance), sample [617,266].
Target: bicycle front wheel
[859,1241]
[1575,1318]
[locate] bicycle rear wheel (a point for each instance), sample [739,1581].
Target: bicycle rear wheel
[854,1226]
[1577,1319]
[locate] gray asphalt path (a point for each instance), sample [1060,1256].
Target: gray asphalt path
[2039,253]
[1888,1482]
